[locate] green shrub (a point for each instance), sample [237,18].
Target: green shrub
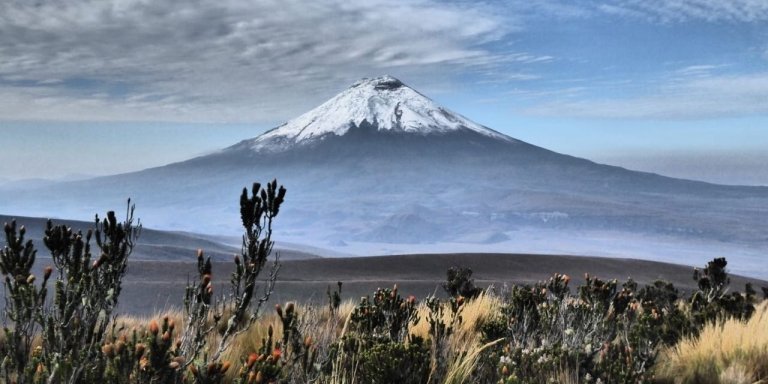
[386,316]
[378,344]
[393,362]
[80,342]
[712,302]
[459,283]
[73,326]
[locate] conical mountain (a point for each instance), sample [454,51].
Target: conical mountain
[381,168]
[378,119]
[383,102]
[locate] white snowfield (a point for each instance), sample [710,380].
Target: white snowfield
[384,102]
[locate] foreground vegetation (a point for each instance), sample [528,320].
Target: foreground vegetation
[555,331]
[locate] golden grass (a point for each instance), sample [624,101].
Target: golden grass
[729,352]
[464,364]
[474,313]
[464,344]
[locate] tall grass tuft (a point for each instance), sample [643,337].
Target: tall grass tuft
[726,352]
[473,314]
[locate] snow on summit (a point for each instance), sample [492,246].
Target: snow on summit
[383,102]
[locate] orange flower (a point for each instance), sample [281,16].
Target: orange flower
[252,358]
[108,350]
[153,327]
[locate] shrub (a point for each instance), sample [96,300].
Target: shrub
[334,298]
[378,340]
[459,283]
[662,298]
[386,316]
[393,362]
[73,327]
[712,302]
[77,343]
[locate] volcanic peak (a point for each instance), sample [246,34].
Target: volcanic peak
[383,102]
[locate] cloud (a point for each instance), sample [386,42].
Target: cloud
[701,70]
[660,11]
[690,10]
[694,97]
[225,60]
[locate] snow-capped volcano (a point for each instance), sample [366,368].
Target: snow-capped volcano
[383,102]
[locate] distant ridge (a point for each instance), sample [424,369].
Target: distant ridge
[152,244]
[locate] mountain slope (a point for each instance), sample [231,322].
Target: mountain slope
[380,168]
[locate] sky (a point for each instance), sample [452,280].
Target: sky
[94,87]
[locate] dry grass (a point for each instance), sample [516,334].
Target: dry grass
[730,352]
[473,314]
[462,366]
[464,344]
